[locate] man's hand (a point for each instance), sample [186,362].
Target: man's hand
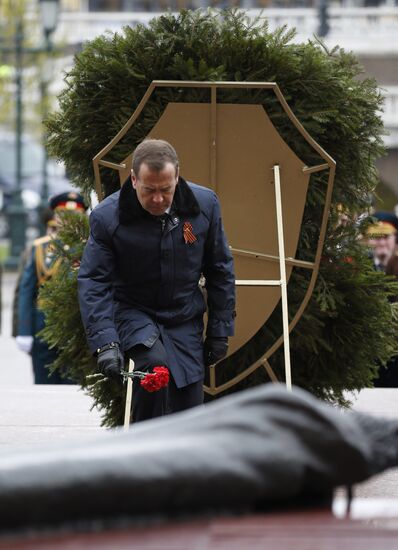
[110,361]
[214,349]
[24,343]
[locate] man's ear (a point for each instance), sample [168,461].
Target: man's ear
[177,173]
[133,179]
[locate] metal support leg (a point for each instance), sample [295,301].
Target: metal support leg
[270,372]
[282,266]
[129,397]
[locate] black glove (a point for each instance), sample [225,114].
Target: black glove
[110,361]
[214,349]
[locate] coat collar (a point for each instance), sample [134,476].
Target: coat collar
[184,202]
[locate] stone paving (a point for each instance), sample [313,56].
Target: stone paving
[36,414]
[381,402]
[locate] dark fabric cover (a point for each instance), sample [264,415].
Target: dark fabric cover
[264,445]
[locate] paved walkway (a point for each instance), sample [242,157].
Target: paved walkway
[381,402]
[15,366]
[33,415]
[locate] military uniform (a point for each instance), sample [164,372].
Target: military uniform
[386,227]
[38,269]
[30,320]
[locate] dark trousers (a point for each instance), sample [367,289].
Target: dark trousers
[388,376]
[171,399]
[42,356]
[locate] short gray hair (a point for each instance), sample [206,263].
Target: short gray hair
[155,153]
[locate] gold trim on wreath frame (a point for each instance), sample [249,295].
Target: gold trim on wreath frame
[327,164]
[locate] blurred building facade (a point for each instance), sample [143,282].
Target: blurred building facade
[369,28]
[153,5]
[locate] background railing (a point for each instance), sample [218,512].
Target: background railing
[363,30]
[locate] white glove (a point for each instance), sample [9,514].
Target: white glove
[24,343]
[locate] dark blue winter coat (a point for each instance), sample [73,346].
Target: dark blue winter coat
[139,278]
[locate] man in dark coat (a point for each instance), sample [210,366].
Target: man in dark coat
[149,245]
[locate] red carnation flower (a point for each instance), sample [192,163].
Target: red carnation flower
[150,381]
[155,381]
[163,375]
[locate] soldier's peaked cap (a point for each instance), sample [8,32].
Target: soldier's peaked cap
[387,217]
[386,223]
[69,200]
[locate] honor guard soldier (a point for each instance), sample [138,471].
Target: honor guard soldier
[41,265]
[381,238]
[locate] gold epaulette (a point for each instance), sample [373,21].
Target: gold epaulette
[42,271]
[41,240]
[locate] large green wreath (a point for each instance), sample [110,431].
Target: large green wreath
[348,329]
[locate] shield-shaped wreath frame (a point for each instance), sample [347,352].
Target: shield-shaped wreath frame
[327,164]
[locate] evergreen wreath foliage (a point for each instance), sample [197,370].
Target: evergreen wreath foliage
[348,329]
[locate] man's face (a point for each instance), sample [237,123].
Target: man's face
[383,247]
[155,190]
